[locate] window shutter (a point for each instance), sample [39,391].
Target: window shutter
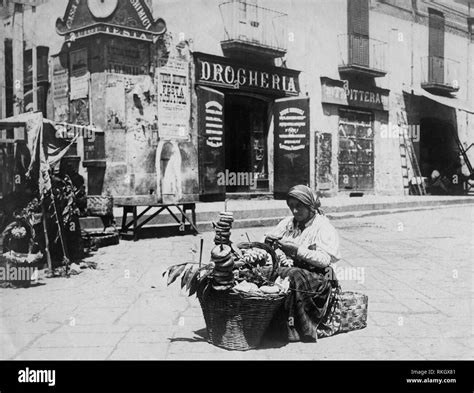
[358,32]
[436,47]
[358,17]
[436,33]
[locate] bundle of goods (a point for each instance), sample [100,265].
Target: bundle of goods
[223,227]
[255,256]
[222,274]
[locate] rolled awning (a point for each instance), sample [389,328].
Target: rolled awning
[451,102]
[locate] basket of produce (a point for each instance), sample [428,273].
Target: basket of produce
[237,291]
[354,307]
[238,313]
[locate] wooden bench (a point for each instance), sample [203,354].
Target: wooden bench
[138,221]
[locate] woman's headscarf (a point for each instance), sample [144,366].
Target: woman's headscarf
[305,195]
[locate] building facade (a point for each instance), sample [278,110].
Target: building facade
[243,98]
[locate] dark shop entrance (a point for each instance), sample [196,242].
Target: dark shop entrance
[439,153]
[246,149]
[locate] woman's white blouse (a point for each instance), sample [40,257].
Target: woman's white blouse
[318,242]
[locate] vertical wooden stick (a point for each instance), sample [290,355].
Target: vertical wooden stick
[200,252]
[46,242]
[248,238]
[63,246]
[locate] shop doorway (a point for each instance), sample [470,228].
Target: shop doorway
[438,148]
[246,149]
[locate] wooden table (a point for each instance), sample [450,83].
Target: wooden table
[138,221]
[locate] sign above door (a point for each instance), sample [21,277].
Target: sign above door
[222,72]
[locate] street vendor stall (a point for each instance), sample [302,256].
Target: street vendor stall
[41,207]
[244,292]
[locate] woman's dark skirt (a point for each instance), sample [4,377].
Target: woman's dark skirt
[308,311]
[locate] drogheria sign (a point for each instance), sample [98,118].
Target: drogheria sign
[221,72]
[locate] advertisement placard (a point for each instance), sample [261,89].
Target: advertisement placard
[173,99]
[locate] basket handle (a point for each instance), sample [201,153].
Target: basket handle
[265,247]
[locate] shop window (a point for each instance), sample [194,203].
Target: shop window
[356,150]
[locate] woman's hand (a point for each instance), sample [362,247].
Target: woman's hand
[271,239]
[289,248]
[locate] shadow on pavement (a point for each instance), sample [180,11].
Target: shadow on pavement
[201,333]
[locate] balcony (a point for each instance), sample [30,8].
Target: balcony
[439,75]
[253,30]
[362,56]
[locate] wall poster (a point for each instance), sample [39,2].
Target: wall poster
[323,150]
[79,112]
[60,88]
[78,62]
[173,99]
[115,102]
[80,86]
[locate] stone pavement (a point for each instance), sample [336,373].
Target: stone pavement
[415,267]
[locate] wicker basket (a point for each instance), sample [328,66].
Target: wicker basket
[235,320]
[100,205]
[24,272]
[353,311]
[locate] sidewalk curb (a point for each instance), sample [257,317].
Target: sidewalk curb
[269,217]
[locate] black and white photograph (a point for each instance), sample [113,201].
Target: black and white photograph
[237,180]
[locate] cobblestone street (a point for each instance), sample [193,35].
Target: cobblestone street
[415,267]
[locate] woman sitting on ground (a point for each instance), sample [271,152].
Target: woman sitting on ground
[307,245]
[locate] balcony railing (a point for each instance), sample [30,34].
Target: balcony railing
[252,28]
[362,55]
[439,74]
